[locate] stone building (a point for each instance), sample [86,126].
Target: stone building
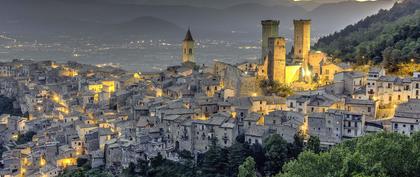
[407,117]
[270,28]
[277,59]
[334,126]
[188,48]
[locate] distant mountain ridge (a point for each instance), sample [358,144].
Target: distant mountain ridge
[91,17]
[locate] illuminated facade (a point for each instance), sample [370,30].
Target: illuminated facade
[188,48]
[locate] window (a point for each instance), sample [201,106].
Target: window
[190,51]
[399,97]
[395,126]
[390,98]
[411,127]
[369,109]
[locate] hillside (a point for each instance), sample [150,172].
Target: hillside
[391,36]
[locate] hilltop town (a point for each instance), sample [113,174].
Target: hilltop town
[112,118]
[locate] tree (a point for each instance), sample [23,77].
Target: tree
[273,87]
[215,161]
[247,169]
[314,144]
[236,155]
[275,150]
[297,146]
[382,154]
[26,137]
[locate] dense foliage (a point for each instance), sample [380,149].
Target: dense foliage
[383,154]
[391,36]
[6,107]
[225,162]
[247,169]
[275,88]
[86,172]
[26,137]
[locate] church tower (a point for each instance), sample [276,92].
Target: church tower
[270,28]
[188,48]
[277,59]
[302,46]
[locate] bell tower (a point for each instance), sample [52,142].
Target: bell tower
[188,48]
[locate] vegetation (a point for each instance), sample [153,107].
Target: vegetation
[382,154]
[6,107]
[26,137]
[314,144]
[224,162]
[85,172]
[274,88]
[391,36]
[247,169]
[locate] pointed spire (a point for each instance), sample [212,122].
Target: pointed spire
[188,36]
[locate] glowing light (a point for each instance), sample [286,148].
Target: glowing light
[261,120]
[233,114]
[64,163]
[42,161]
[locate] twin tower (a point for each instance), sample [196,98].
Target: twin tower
[273,49]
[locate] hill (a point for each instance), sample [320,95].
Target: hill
[391,36]
[239,20]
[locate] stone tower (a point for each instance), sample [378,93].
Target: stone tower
[302,47]
[188,48]
[302,40]
[277,59]
[270,28]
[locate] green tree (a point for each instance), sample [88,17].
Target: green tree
[275,148]
[215,161]
[236,155]
[297,146]
[314,144]
[247,169]
[26,137]
[382,154]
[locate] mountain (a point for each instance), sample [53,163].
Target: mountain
[391,36]
[330,17]
[241,21]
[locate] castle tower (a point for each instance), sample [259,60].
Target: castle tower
[188,48]
[302,46]
[270,28]
[277,59]
[302,40]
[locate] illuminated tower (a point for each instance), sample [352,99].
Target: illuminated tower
[270,28]
[188,48]
[277,59]
[302,40]
[302,45]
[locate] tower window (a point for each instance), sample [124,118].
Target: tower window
[190,51]
[185,51]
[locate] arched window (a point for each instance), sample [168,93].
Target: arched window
[190,51]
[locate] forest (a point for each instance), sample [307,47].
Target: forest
[390,36]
